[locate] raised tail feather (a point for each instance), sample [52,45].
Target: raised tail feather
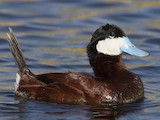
[16,50]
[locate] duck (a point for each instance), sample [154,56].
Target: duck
[111,82]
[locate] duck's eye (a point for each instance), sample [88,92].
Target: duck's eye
[112,34]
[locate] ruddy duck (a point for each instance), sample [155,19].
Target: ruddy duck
[112,83]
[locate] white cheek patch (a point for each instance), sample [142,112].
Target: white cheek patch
[110,46]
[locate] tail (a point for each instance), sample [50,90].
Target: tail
[16,51]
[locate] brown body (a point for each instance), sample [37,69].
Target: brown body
[117,87]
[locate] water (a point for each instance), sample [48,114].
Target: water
[54,34]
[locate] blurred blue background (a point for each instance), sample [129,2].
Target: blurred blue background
[54,35]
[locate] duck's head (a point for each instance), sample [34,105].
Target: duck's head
[112,41]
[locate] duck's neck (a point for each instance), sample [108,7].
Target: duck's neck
[106,66]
